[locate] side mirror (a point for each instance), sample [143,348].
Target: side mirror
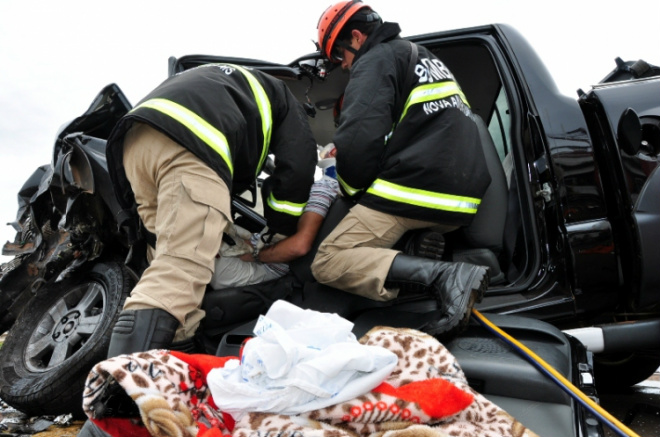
[629,132]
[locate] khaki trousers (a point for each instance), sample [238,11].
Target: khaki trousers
[187,206]
[357,255]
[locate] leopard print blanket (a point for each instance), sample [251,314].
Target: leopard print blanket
[426,395]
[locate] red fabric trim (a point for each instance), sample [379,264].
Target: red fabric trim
[202,362]
[437,397]
[116,426]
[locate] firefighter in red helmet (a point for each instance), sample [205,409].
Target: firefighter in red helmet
[409,154]
[333,21]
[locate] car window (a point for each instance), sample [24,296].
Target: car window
[500,125]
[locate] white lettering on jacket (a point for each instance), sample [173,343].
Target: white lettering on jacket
[227,69]
[451,102]
[432,70]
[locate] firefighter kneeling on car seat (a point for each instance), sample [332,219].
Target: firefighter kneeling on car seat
[178,155]
[408,152]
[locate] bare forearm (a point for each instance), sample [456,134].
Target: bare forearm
[292,247]
[283,251]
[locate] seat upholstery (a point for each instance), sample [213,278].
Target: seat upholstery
[481,242]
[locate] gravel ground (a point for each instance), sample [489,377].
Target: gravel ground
[13,423]
[16,424]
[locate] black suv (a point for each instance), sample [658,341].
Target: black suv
[572,237]
[568,234]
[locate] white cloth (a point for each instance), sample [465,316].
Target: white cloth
[239,236]
[299,361]
[231,271]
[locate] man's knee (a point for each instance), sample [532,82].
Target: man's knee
[319,264]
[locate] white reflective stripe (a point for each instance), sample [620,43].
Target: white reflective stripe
[285,207]
[424,198]
[430,92]
[196,124]
[263,102]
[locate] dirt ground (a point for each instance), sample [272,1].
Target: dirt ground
[61,431]
[15,424]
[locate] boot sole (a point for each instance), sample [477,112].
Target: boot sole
[482,285]
[478,285]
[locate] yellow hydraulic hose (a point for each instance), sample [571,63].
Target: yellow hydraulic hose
[610,420]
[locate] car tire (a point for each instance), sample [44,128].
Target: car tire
[622,370]
[61,334]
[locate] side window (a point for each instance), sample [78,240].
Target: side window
[500,125]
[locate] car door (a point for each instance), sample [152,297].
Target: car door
[625,119]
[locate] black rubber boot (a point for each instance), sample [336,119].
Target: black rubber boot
[425,243]
[142,330]
[135,331]
[189,346]
[456,287]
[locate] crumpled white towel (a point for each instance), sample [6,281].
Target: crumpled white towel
[299,361]
[239,235]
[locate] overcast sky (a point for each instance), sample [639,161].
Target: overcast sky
[55,56]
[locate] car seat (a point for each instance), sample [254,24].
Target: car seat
[482,241]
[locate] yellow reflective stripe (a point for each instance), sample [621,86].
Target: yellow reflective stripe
[430,92]
[285,207]
[349,190]
[424,198]
[196,124]
[263,102]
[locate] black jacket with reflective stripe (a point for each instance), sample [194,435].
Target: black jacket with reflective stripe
[432,165]
[221,95]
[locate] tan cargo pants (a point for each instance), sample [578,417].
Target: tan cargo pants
[187,206]
[357,255]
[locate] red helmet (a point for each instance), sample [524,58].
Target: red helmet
[332,22]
